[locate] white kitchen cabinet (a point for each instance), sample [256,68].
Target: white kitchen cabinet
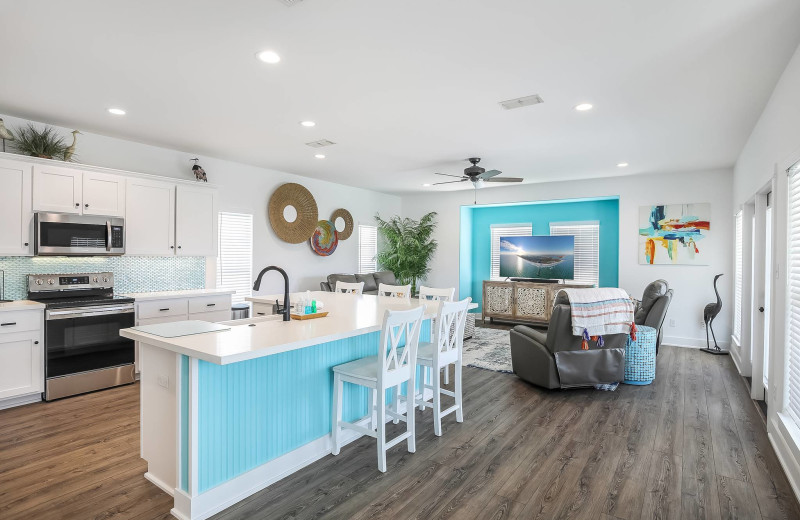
[149,217]
[196,221]
[103,194]
[57,189]
[262,309]
[16,214]
[21,357]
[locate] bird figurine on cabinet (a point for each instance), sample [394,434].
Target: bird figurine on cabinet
[710,312]
[199,172]
[70,151]
[5,134]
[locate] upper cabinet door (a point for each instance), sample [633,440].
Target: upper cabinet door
[149,217]
[15,209]
[103,194]
[196,221]
[56,189]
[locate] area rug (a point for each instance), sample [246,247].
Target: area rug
[488,349]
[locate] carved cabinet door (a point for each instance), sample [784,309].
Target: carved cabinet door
[498,299]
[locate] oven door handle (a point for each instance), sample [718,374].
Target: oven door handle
[85,312]
[108,235]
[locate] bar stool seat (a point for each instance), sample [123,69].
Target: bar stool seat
[364,368]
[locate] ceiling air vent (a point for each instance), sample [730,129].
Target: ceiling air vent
[522,102]
[321,143]
[290,2]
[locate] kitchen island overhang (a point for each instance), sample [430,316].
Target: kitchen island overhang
[228,413]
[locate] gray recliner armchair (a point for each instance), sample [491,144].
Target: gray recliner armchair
[555,359]
[652,309]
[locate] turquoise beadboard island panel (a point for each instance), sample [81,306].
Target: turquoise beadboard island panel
[252,412]
[131,273]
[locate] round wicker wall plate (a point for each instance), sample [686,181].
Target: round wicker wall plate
[348,223]
[325,238]
[297,196]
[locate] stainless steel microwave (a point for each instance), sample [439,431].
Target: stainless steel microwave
[59,234]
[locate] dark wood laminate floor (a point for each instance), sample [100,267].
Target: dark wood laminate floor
[691,445]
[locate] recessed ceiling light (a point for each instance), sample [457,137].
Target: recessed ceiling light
[426,184]
[622,165]
[268,57]
[583,107]
[116,111]
[308,124]
[320,156]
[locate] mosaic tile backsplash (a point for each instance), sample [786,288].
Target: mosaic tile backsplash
[131,273]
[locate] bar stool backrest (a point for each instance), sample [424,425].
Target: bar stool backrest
[432,293]
[449,334]
[395,291]
[349,287]
[398,347]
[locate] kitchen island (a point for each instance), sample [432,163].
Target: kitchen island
[227,413]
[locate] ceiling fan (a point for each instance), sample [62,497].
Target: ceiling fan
[478,175]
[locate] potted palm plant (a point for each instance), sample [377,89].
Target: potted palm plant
[407,247]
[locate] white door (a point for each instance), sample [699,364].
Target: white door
[196,221]
[149,217]
[56,189]
[15,208]
[103,194]
[21,364]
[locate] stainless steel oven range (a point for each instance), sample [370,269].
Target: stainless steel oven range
[83,349]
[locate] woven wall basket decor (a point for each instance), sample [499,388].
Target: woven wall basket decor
[297,196]
[348,223]
[325,239]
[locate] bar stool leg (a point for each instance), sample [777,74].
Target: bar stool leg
[411,416]
[396,402]
[459,400]
[381,431]
[338,387]
[425,373]
[437,404]
[447,375]
[371,409]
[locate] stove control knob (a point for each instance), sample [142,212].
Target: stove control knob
[51,281]
[105,279]
[94,279]
[39,282]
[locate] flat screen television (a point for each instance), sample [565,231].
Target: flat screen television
[539,256]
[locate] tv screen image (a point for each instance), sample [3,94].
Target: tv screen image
[540,256]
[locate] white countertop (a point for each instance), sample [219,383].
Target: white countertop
[164,295]
[21,305]
[349,315]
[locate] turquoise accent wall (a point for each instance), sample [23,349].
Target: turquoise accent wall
[131,273]
[475,247]
[254,411]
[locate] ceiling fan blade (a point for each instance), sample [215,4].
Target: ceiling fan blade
[505,179]
[447,182]
[448,175]
[489,174]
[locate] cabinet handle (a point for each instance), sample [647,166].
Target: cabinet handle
[35,342]
[210,304]
[7,324]
[179,247]
[162,310]
[172,247]
[26,244]
[77,204]
[260,313]
[85,205]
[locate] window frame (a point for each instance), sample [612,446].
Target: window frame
[582,259]
[367,266]
[509,230]
[245,270]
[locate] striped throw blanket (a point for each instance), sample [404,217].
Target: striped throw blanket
[596,312]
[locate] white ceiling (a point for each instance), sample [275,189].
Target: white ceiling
[409,87]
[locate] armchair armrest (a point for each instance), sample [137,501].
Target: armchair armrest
[531,360]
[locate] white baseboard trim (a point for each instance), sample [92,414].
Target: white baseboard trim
[779,437]
[677,341]
[228,493]
[20,400]
[160,484]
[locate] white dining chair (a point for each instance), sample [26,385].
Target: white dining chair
[432,293]
[349,287]
[443,351]
[394,365]
[395,291]
[435,294]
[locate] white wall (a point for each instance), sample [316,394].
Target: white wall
[247,189]
[692,284]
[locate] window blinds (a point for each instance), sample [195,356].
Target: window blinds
[235,256]
[505,230]
[367,249]
[587,248]
[793,296]
[737,282]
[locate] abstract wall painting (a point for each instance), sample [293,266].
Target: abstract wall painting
[674,234]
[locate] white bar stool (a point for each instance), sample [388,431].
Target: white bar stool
[440,295]
[395,291]
[446,349]
[394,365]
[349,287]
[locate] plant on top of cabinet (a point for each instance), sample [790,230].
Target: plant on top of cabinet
[199,172]
[44,143]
